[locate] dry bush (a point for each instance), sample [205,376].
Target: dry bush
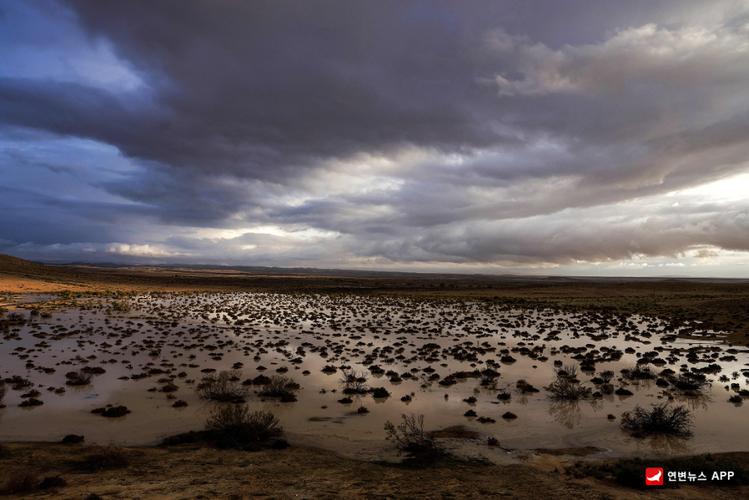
[566,387]
[659,420]
[354,382]
[409,437]
[78,378]
[236,426]
[224,387]
[280,387]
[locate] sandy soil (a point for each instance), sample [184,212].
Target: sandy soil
[189,472]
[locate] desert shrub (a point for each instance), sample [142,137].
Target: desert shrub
[658,420]
[410,438]
[102,459]
[638,373]
[78,378]
[282,387]
[567,371]
[380,392]
[224,387]
[15,318]
[236,426]
[689,383]
[566,387]
[120,306]
[354,383]
[18,383]
[20,482]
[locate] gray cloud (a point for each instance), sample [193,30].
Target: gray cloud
[472,132]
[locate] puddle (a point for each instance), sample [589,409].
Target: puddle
[407,346]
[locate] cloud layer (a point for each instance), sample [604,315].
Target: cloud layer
[429,135]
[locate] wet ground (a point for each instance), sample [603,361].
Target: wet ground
[440,358]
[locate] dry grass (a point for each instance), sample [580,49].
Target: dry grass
[658,420]
[223,387]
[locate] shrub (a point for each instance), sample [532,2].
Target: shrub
[235,426]
[282,387]
[639,372]
[566,387]
[15,318]
[78,378]
[354,383]
[120,306]
[2,392]
[223,387]
[409,437]
[659,420]
[689,383]
[380,392]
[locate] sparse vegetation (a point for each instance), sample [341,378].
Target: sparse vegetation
[78,378]
[566,387]
[281,387]
[659,420]
[354,382]
[223,387]
[236,426]
[410,438]
[120,306]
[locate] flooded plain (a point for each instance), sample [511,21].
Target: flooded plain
[478,364]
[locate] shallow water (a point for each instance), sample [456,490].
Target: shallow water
[181,335]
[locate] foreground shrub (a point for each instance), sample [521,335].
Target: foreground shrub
[236,426]
[223,387]
[410,438]
[659,420]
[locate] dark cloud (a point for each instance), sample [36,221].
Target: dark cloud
[454,132]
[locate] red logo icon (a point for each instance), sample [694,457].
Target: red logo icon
[654,476]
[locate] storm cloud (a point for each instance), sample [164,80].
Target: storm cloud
[475,135]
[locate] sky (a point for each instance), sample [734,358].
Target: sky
[597,137]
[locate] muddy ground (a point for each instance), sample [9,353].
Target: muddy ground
[193,472]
